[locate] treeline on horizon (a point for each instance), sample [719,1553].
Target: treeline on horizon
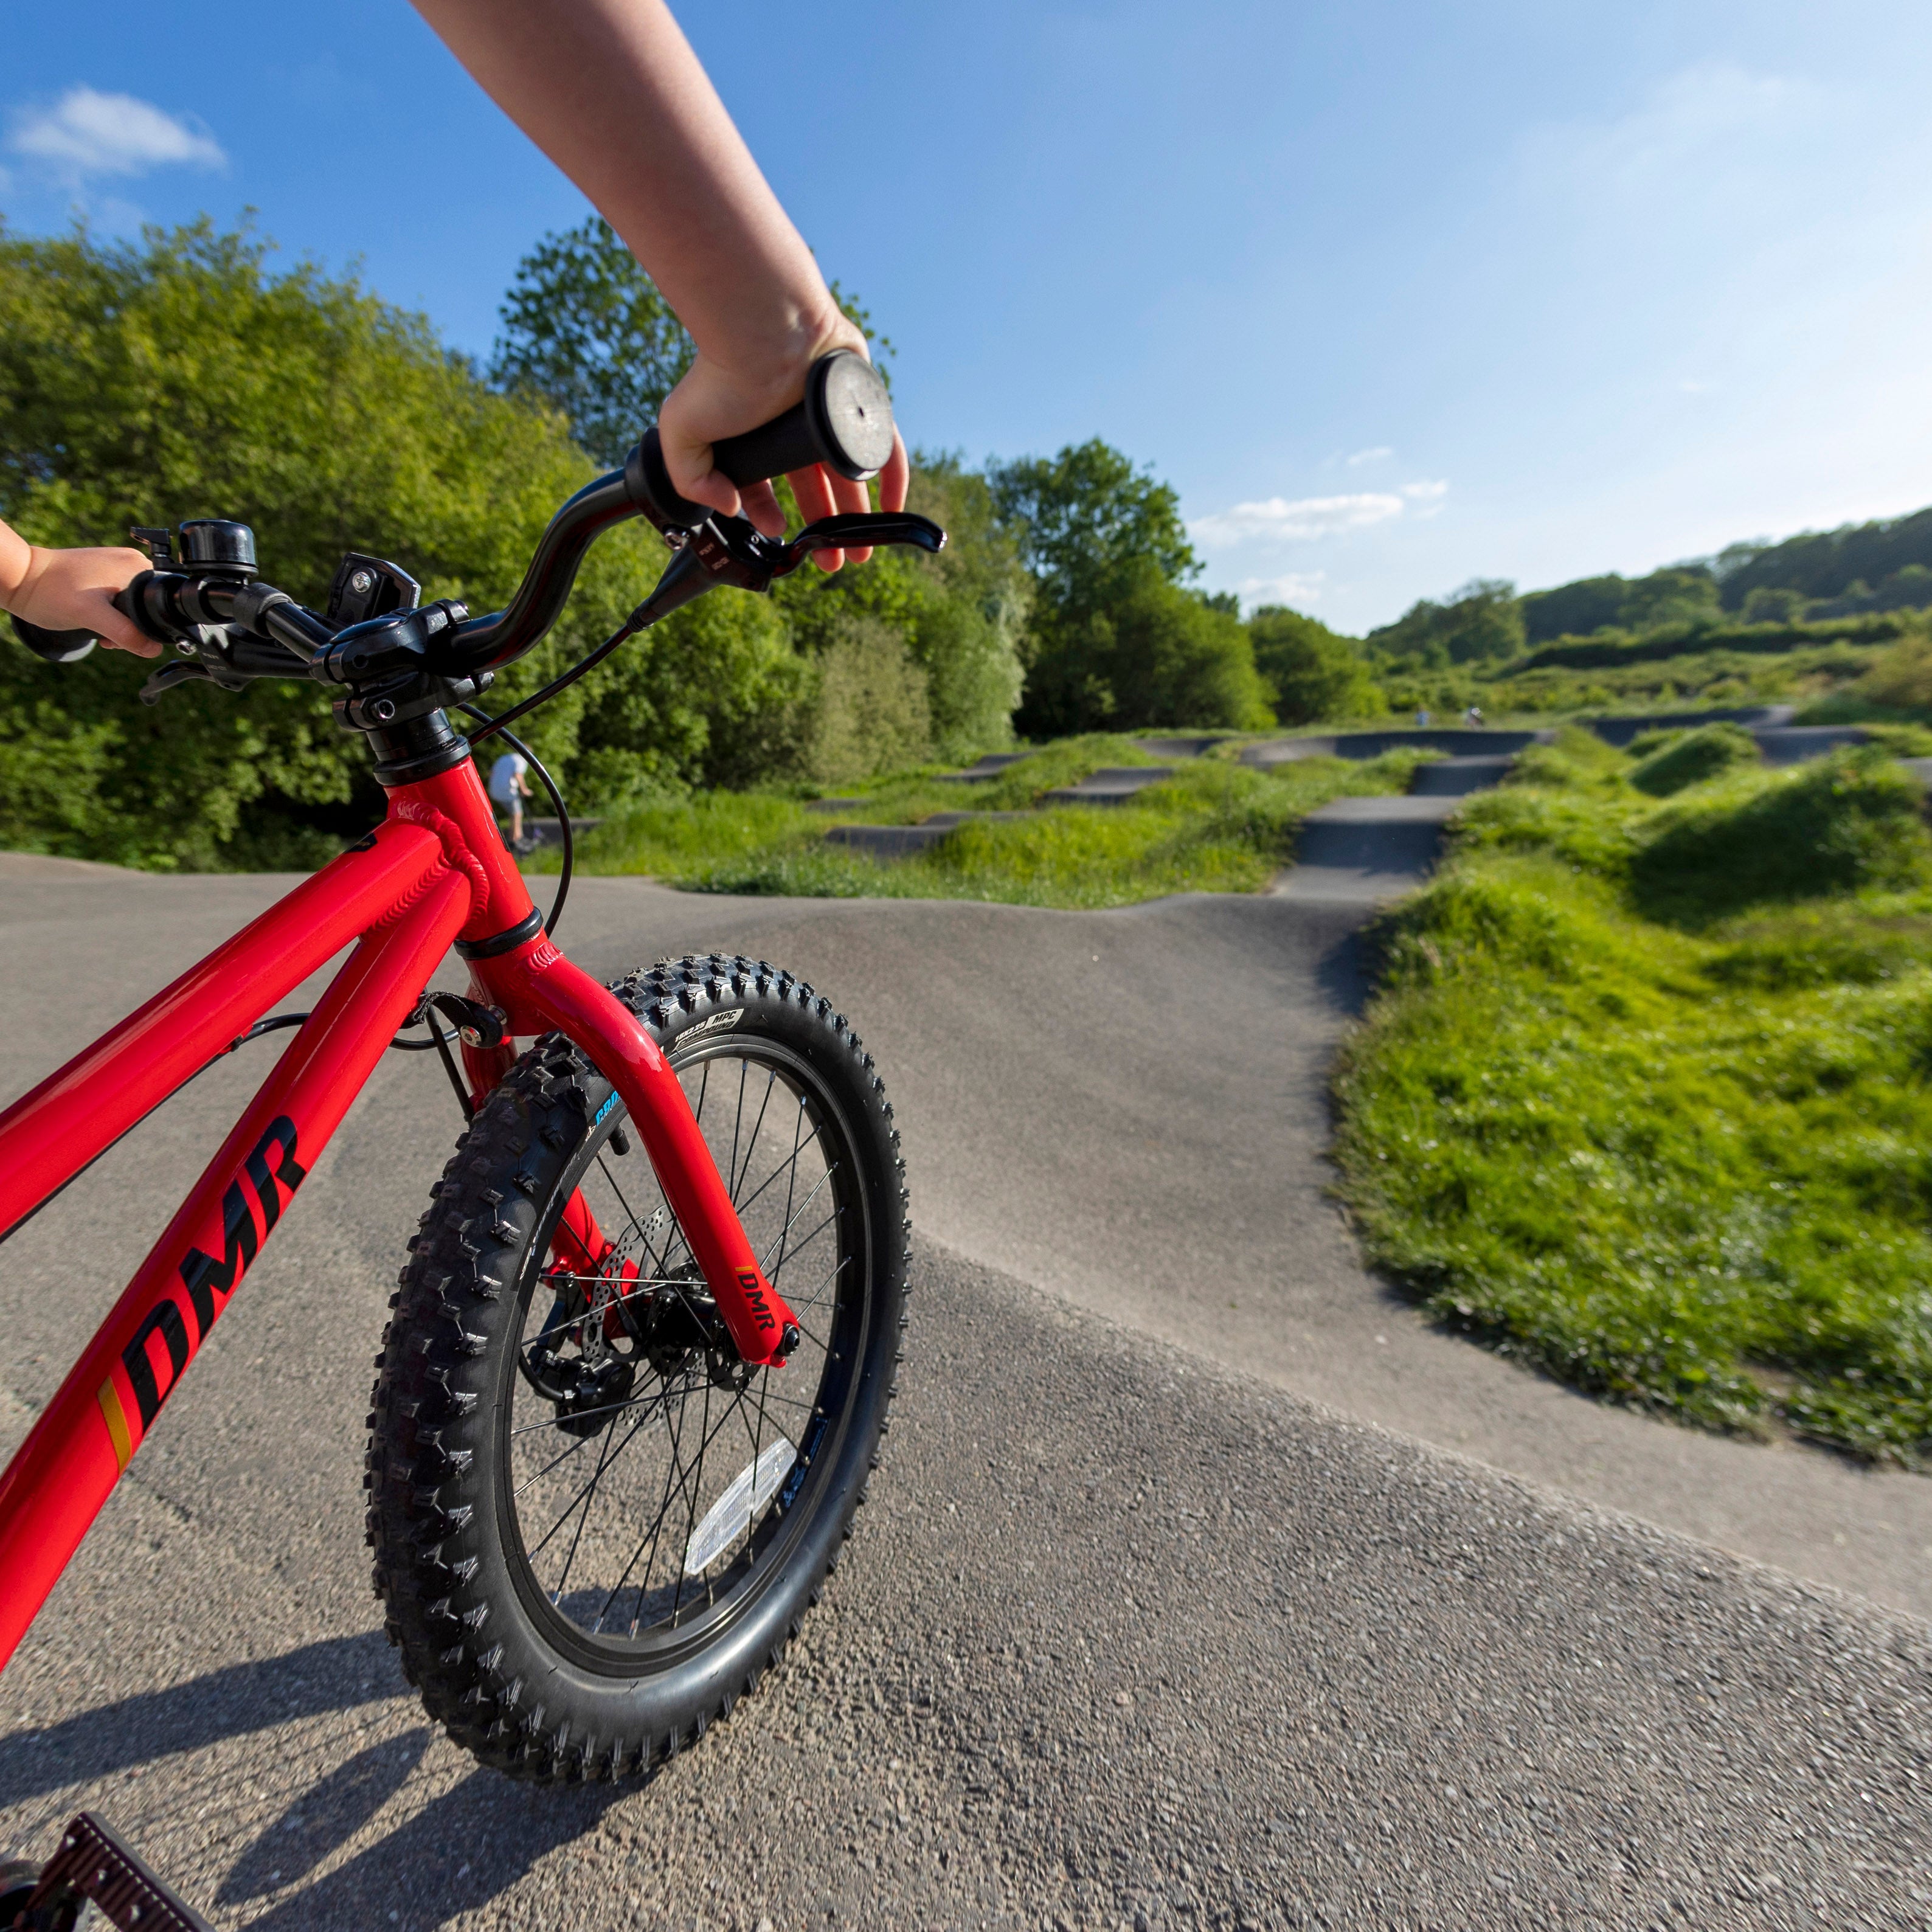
[147,382]
[143,383]
[1818,578]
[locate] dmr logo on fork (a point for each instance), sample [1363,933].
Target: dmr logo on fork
[271,1167]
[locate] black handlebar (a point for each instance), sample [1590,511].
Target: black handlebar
[845,421]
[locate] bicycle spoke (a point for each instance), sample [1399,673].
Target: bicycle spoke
[614,1408]
[691,1503]
[757,1127]
[786,1230]
[837,1268]
[596,1476]
[623,1523]
[590,1496]
[797,1148]
[737,1123]
[637,1227]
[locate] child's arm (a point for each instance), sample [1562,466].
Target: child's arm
[71,590]
[611,92]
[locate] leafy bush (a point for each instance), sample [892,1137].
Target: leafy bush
[1901,679]
[1849,822]
[872,714]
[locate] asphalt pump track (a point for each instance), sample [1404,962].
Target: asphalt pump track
[1205,1583]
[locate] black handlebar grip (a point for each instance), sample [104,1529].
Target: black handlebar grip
[71,646]
[844,422]
[56,646]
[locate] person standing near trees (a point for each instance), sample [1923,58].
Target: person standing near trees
[508,787]
[611,92]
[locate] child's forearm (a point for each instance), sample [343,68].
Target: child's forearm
[16,558]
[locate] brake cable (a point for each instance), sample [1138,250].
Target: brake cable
[494,728]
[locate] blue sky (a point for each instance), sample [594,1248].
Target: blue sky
[1396,294]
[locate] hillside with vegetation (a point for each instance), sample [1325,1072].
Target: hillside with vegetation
[1642,1098]
[1805,621]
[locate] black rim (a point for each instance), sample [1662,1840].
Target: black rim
[652,1489]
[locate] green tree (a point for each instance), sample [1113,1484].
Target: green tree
[1079,516]
[1148,654]
[585,329]
[1684,594]
[1313,673]
[1115,640]
[149,382]
[1767,606]
[1481,621]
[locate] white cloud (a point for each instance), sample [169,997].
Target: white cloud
[85,133]
[1379,454]
[1296,587]
[1276,520]
[1426,498]
[1709,103]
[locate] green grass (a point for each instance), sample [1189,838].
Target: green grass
[1645,1096]
[1808,675]
[1214,826]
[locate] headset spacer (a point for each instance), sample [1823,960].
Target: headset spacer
[525,930]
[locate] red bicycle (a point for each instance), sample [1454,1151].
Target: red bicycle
[625,1409]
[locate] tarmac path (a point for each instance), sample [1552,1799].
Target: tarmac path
[1140,1627]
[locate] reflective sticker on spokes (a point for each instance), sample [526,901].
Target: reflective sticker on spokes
[741,1505]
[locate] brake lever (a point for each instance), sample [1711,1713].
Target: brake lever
[729,550]
[865,529]
[171,677]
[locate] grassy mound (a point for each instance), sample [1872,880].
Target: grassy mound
[1668,761]
[1214,826]
[1646,1095]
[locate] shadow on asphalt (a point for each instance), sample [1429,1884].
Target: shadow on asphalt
[329,1813]
[337,1675]
[1342,973]
[454,1855]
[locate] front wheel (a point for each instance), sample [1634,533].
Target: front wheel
[594,1527]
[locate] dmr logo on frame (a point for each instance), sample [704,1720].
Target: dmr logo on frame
[204,1278]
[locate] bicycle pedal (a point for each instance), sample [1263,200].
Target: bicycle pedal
[94,1866]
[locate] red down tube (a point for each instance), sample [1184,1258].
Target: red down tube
[54,1486]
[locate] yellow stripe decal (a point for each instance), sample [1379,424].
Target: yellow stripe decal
[117,1423]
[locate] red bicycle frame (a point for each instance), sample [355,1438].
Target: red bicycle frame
[435,872]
